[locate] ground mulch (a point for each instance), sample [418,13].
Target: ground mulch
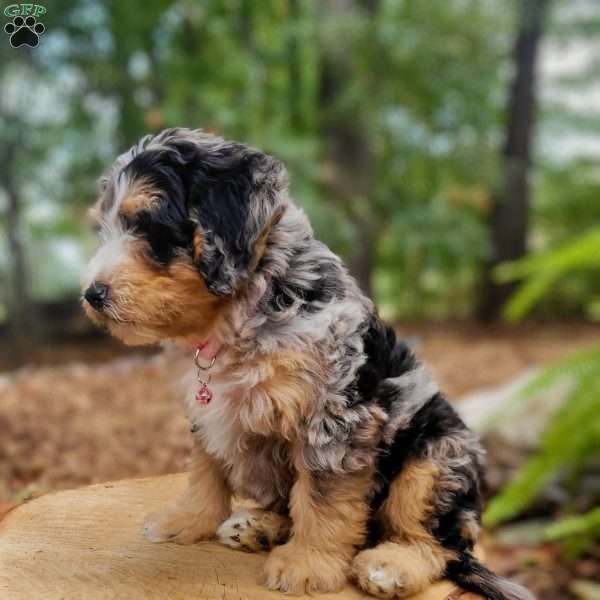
[76,424]
[466,356]
[78,415]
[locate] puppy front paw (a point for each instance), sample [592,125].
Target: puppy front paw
[297,569]
[179,526]
[254,530]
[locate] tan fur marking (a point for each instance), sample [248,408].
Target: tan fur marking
[471,528]
[329,521]
[411,558]
[261,243]
[409,501]
[397,569]
[142,196]
[331,514]
[203,506]
[197,242]
[285,396]
[159,302]
[198,309]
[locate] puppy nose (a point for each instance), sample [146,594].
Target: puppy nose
[96,294]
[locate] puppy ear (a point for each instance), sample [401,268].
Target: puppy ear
[260,245]
[235,203]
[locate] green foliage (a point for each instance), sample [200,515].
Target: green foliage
[420,83]
[570,441]
[544,270]
[423,255]
[567,199]
[572,438]
[567,182]
[579,532]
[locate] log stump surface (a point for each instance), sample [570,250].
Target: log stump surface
[87,544]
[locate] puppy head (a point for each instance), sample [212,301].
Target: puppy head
[184,219]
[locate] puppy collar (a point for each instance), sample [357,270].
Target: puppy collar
[207,350]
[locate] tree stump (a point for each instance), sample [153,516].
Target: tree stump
[87,544]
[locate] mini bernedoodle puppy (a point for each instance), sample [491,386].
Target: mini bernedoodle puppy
[305,402]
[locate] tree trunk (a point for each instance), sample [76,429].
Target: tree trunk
[20,319]
[350,154]
[20,297]
[295,68]
[510,215]
[248,125]
[362,259]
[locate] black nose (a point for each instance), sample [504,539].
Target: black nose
[96,294]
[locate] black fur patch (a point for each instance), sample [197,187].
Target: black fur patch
[433,421]
[221,204]
[166,227]
[385,357]
[213,188]
[469,574]
[448,527]
[311,297]
[164,234]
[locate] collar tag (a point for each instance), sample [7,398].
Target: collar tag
[204,394]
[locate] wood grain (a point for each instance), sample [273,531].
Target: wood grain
[87,543]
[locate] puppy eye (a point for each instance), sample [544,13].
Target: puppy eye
[161,251]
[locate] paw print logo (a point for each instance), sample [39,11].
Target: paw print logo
[24,32]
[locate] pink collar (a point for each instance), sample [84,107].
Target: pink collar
[205,350]
[208,349]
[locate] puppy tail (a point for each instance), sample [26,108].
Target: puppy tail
[469,574]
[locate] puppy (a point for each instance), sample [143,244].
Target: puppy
[305,401]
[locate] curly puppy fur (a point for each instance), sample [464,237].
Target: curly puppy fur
[320,415]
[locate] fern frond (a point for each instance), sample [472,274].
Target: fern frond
[580,363]
[576,365]
[572,437]
[545,269]
[584,252]
[570,440]
[584,525]
[529,295]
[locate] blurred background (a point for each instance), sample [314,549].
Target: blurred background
[448,150]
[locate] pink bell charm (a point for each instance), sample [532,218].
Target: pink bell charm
[204,394]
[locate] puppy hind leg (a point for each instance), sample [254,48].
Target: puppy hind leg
[254,530]
[397,569]
[409,558]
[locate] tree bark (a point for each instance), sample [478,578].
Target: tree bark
[246,25]
[351,155]
[19,304]
[20,295]
[295,68]
[509,220]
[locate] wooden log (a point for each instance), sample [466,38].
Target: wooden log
[87,544]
